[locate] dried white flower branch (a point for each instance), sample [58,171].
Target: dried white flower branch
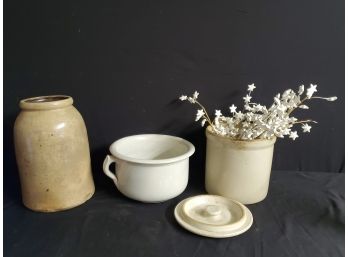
[257,121]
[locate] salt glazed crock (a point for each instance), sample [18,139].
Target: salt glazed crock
[52,153]
[238,169]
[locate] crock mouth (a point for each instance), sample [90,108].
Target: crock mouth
[256,142]
[46,102]
[152,149]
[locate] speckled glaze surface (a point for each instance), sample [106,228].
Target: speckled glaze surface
[236,169]
[52,153]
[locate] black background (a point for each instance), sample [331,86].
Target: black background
[125,63]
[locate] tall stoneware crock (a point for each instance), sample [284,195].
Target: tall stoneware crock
[238,169]
[52,153]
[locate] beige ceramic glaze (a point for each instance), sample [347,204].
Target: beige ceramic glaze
[52,153]
[238,169]
[213,216]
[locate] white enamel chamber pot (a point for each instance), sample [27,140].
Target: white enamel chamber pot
[238,169]
[150,167]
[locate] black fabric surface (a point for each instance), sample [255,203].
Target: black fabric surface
[303,215]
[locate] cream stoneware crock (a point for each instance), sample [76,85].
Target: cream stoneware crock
[239,170]
[150,167]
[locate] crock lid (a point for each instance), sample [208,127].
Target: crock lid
[213,216]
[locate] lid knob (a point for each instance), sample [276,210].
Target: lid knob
[213,210]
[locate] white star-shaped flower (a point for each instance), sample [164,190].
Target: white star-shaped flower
[245,124]
[183,97]
[292,119]
[311,90]
[251,87]
[195,95]
[247,98]
[286,131]
[199,114]
[239,115]
[287,93]
[293,135]
[281,108]
[247,107]
[258,107]
[306,128]
[218,113]
[191,100]
[233,108]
